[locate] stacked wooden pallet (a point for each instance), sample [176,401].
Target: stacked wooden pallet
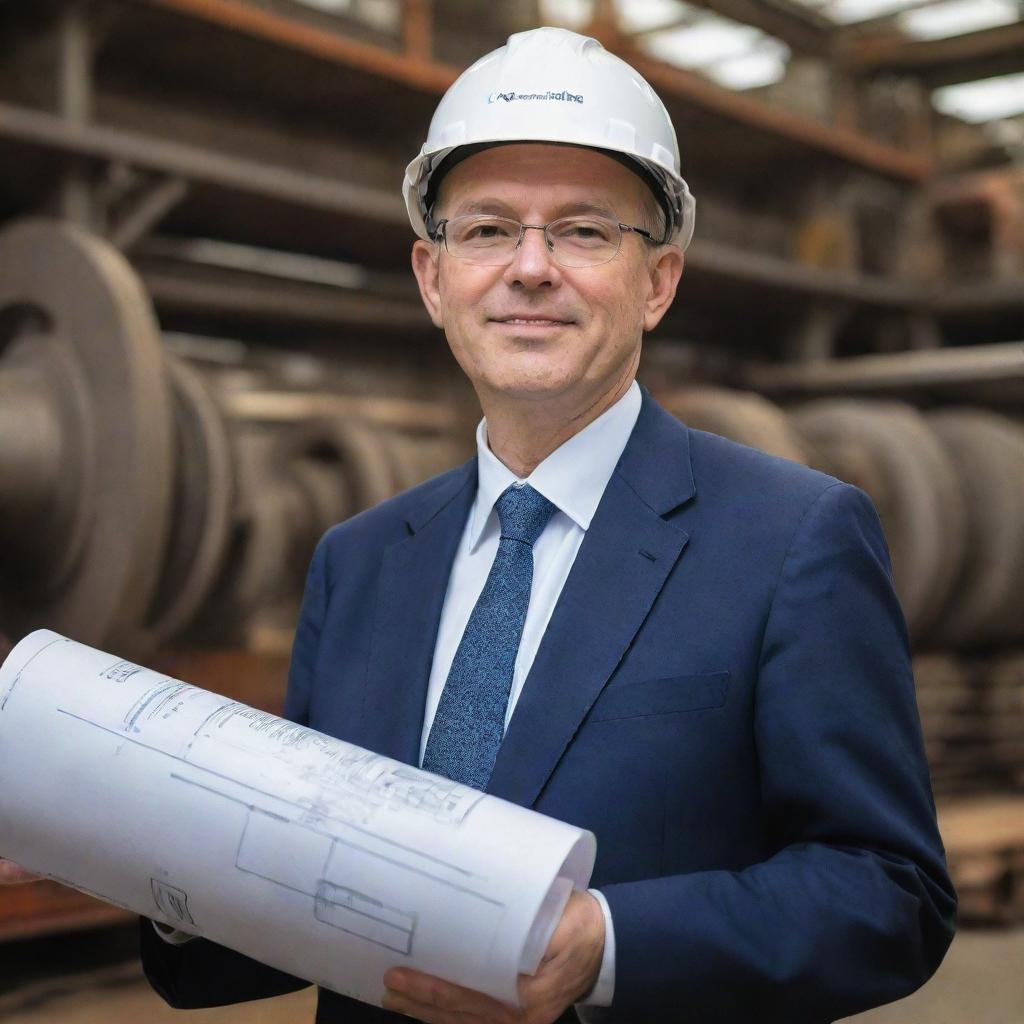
[972,714]
[985,848]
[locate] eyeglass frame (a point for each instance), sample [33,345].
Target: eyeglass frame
[438,235]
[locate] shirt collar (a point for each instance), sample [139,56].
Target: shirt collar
[573,477]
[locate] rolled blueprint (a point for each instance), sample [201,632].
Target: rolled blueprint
[311,855]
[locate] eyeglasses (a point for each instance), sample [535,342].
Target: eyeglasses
[572,241]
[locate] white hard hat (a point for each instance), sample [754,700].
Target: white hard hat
[553,85]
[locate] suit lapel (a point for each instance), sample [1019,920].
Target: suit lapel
[413,580]
[622,564]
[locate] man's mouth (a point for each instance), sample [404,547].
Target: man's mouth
[531,321]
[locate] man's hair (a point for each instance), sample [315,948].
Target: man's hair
[653,217]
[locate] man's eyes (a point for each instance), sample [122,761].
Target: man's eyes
[483,231]
[582,230]
[488,229]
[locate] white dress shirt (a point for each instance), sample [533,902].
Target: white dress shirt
[573,478]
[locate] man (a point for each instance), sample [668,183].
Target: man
[690,648]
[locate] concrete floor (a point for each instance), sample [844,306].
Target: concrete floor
[980,982]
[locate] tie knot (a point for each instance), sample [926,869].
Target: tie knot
[523,513]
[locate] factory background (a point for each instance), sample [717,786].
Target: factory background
[212,349]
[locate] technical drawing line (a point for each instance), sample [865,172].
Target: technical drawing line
[344,842]
[158,694]
[272,796]
[408,867]
[373,835]
[305,810]
[213,714]
[336,913]
[122,671]
[233,799]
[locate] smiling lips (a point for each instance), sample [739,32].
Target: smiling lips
[531,320]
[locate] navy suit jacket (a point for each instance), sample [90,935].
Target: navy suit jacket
[723,696]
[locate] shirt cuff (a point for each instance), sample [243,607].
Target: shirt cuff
[172,936]
[604,988]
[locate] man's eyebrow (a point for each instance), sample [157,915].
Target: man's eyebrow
[587,206]
[494,206]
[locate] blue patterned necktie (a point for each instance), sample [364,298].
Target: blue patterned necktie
[470,719]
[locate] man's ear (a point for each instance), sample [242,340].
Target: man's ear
[666,269]
[425,265]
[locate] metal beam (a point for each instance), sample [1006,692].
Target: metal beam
[432,76]
[199,165]
[684,20]
[963,58]
[146,210]
[803,29]
[265,300]
[730,262]
[934,368]
[886,20]
[296,406]
[983,298]
[415,71]
[75,51]
[840,143]
[418,29]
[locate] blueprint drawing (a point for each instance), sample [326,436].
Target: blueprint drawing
[309,854]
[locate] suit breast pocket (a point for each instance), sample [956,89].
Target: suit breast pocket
[666,696]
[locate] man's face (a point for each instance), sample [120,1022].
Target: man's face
[534,330]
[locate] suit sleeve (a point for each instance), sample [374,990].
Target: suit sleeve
[852,906]
[202,973]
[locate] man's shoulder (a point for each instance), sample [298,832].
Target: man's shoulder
[764,497]
[752,501]
[724,468]
[722,463]
[670,458]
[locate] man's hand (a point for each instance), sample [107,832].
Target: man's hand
[568,971]
[11,874]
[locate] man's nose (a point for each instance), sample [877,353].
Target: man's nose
[533,264]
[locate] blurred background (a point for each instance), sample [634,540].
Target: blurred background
[212,349]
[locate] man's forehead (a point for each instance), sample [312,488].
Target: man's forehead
[497,203]
[541,174]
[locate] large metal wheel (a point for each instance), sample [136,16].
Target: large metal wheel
[86,445]
[740,416]
[342,465]
[987,450]
[201,512]
[914,486]
[418,457]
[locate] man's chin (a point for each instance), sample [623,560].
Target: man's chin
[529,389]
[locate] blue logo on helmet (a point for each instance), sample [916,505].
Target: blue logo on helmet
[510,97]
